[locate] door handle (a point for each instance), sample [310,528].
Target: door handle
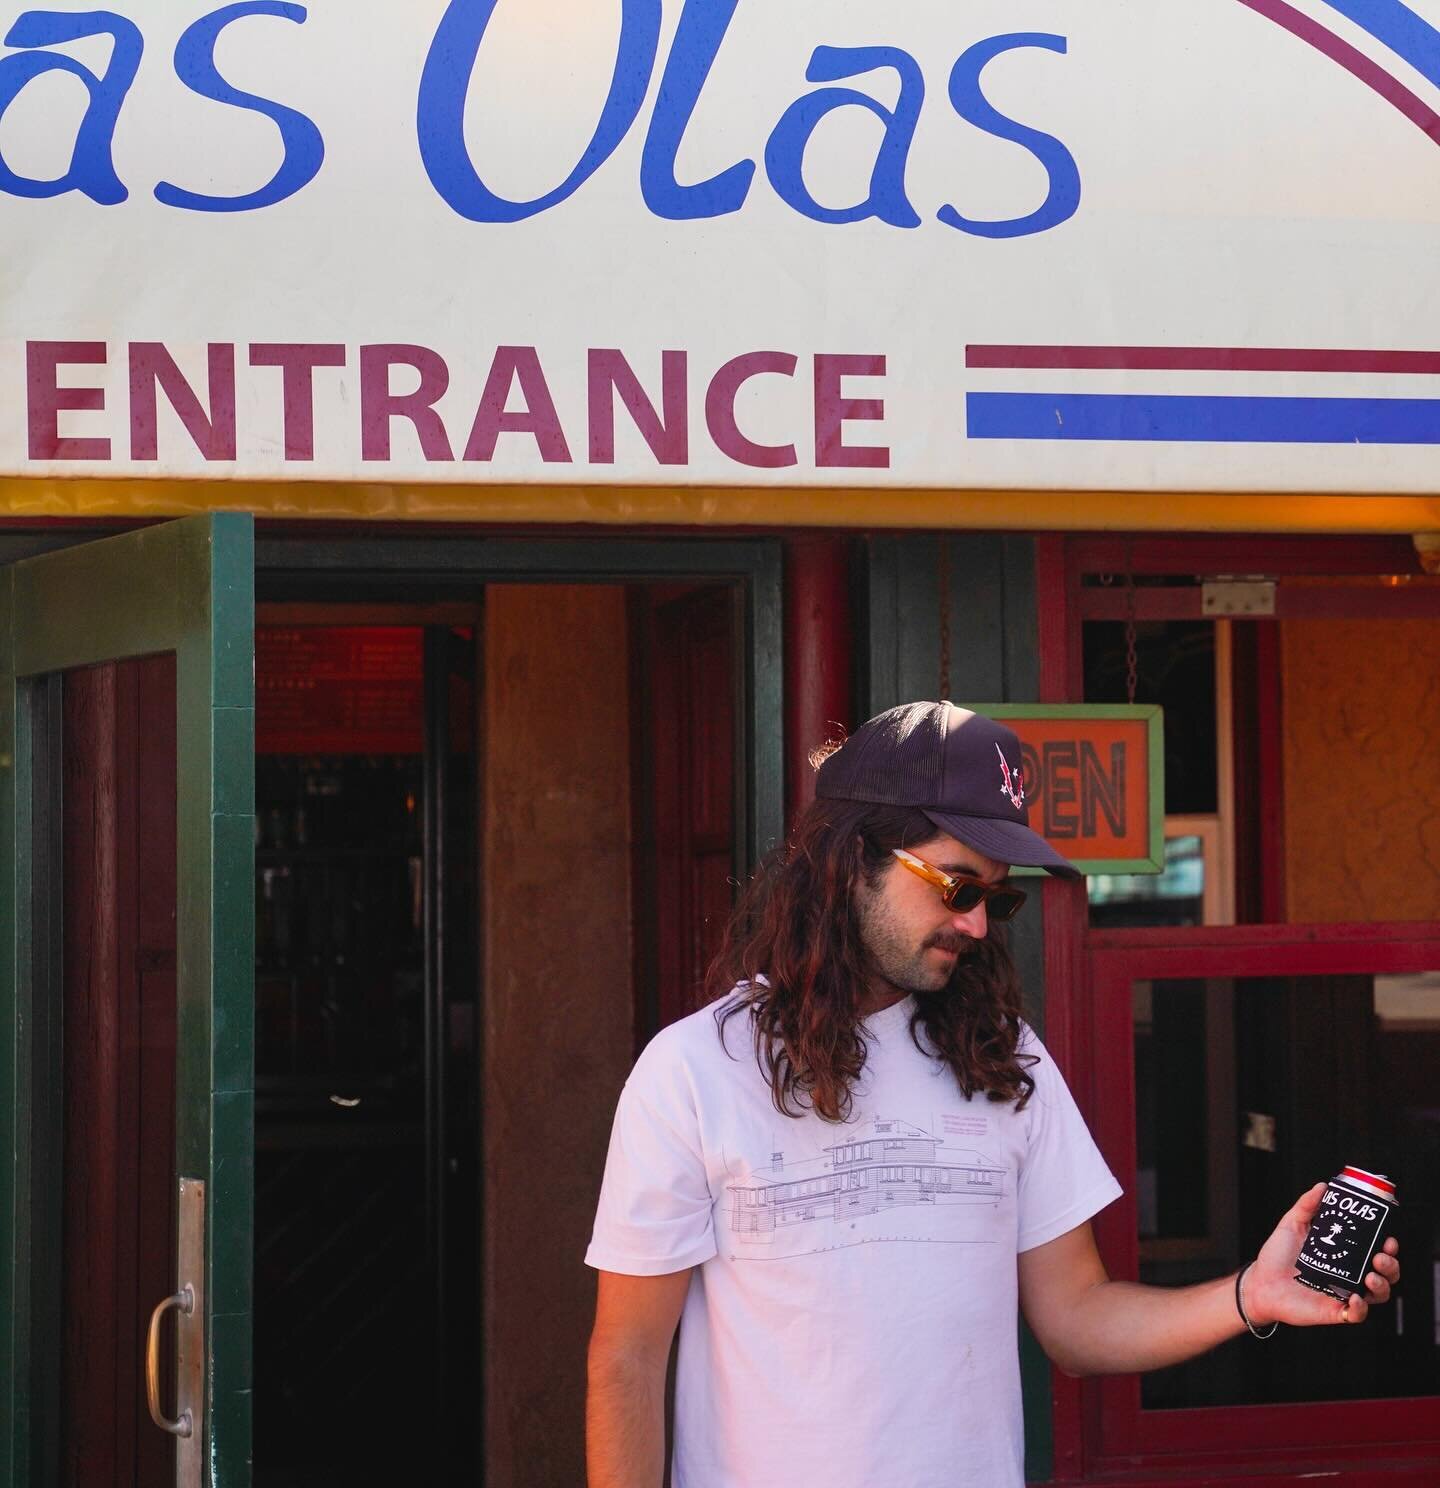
[190,1426]
[183,1301]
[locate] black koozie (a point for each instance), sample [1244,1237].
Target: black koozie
[1348,1229]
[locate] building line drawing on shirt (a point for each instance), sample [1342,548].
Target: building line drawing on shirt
[885,1166]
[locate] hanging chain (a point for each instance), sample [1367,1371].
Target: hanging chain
[1132,661]
[943,565]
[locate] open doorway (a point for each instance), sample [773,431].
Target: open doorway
[495,842]
[364,1016]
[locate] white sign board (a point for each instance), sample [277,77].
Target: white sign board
[1071,244]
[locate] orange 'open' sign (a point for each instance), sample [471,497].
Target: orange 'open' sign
[1095,781]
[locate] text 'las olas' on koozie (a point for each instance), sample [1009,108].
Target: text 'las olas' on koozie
[1348,1230]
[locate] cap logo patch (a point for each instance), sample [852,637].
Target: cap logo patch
[1012,787]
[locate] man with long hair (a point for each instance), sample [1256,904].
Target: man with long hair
[853,1168]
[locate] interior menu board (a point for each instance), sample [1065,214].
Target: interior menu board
[327,690]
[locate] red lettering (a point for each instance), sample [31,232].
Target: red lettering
[378,405]
[668,437]
[152,367]
[720,409]
[538,417]
[832,408]
[45,399]
[298,361]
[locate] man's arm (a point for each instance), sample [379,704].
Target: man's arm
[1089,1324]
[635,1321]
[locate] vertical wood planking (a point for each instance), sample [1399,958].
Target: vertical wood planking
[92,1017]
[689,806]
[759,709]
[819,652]
[118,1068]
[146,735]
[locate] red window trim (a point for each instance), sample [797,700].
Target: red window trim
[1257,554]
[1337,1470]
[1126,1434]
[1309,602]
[1277,1444]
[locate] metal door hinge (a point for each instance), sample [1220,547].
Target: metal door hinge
[1249,596]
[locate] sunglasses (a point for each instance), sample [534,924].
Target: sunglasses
[962,893]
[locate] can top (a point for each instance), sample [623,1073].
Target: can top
[1377,1182]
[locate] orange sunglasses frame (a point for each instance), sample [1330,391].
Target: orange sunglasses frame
[946,882]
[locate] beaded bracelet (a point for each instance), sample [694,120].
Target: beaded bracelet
[1240,1307]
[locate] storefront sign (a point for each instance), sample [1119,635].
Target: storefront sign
[1095,778]
[1114,246]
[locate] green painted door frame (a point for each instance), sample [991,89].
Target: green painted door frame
[185,587]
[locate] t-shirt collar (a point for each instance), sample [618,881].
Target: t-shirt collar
[893,1019]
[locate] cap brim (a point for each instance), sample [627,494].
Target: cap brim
[1005,841]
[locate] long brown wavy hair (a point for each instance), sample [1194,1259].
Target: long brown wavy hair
[793,959]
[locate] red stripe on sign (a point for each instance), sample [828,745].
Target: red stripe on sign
[1203,358]
[1391,89]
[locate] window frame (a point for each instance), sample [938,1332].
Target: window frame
[1099,1428]
[1339,1432]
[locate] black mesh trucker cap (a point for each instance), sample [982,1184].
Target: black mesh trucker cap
[961,769]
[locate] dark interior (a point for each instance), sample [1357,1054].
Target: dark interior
[372,1277]
[365,1171]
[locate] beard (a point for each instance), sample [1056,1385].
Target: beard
[894,957]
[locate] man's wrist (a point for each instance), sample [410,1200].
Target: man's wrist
[1250,1304]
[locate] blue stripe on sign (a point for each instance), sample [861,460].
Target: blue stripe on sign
[1398,27]
[1127,416]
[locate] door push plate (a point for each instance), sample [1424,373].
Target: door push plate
[190,1359]
[187,1303]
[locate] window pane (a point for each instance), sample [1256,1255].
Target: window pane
[1175,667]
[1247,1092]
[1174,897]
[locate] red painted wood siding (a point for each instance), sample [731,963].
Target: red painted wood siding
[119,1063]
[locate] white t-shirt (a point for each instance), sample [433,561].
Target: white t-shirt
[852,1319]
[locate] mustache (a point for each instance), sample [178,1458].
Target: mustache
[952,940]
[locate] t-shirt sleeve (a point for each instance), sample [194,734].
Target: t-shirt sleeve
[1063,1178]
[656,1210]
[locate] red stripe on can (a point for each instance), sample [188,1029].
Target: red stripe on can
[1377,1180]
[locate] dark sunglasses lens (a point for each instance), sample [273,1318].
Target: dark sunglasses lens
[963,897]
[1006,904]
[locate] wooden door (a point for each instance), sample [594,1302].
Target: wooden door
[117,1063]
[126,1007]
[691,791]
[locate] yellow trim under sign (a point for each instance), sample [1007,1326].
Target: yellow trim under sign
[714,506]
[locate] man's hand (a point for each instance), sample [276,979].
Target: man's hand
[1089,1324]
[1273,1295]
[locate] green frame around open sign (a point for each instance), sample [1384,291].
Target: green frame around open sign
[1153,716]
